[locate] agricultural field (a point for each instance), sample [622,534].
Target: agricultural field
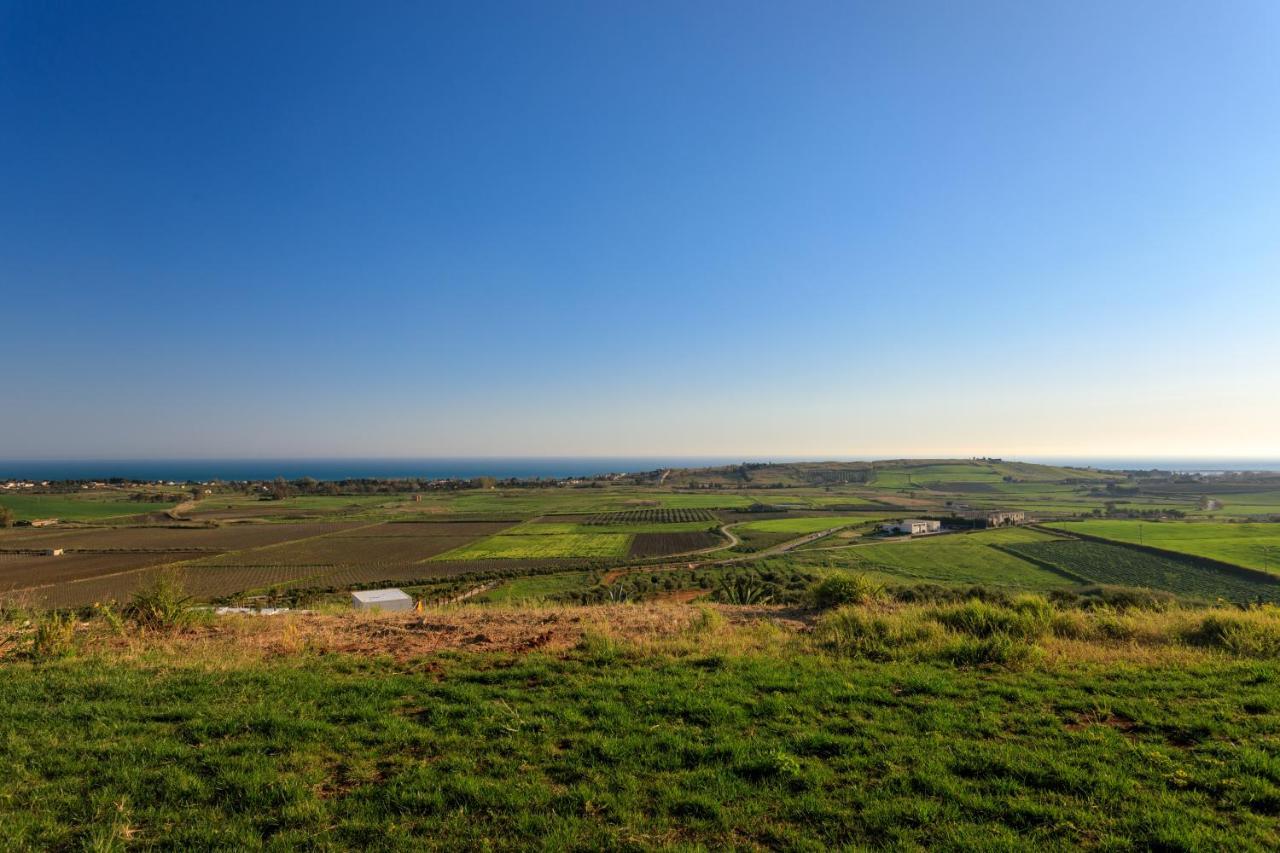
[95,506]
[652,516]
[1113,564]
[1252,545]
[534,547]
[662,544]
[958,558]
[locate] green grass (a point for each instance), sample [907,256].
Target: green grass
[536,588]
[606,749]
[74,508]
[950,559]
[1255,546]
[518,547]
[1116,565]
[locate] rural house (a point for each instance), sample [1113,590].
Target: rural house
[912,526]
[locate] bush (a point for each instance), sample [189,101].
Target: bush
[161,604]
[1250,633]
[839,590]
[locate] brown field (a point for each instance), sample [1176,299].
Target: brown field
[106,563]
[226,538]
[427,529]
[661,544]
[21,572]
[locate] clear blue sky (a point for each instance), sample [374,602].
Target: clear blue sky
[639,228]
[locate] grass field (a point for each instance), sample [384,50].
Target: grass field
[525,547]
[534,588]
[77,507]
[1113,564]
[952,559]
[1255,546]
[696,734]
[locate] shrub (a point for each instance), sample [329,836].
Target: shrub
[1250,633]
[838,590]
[742,590]
[160,604]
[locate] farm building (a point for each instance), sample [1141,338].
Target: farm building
[381,599]
[53,552]
[997,518]
[912,526]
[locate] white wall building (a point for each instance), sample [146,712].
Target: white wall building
[912,526]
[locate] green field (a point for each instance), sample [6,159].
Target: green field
[76,507]
[1114,564]
[535,587]
[1255,546]
[523,547]
[714,740]
[966,558]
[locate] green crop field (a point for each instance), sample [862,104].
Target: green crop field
[535,587]
[75,507]
[1114,564]
[518,547]
[966,558]
[1255,546]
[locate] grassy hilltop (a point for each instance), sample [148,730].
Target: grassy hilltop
[729,657]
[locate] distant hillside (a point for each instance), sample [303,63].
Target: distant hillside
[893,473]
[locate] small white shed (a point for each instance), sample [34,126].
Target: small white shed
[381,599]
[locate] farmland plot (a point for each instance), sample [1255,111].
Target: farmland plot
[519,547]
[661,544]
[227,538]
[1255,546]
[1114,564]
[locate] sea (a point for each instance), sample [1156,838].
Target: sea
[522,467]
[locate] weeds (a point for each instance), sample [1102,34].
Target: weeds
[53,635]
[162,604]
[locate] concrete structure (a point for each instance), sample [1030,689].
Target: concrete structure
[997,518]
[381,599]
[912,526]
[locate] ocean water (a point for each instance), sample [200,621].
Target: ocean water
[181,470]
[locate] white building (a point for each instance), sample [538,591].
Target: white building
[381,599]
[912,526]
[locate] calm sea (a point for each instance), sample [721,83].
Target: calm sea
[180,470]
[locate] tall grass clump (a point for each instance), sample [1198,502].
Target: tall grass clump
[161,604]
[1248,633]
[855,632]
[1027,618]
[839,590]
[53,635]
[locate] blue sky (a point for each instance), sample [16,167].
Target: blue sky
[897,228]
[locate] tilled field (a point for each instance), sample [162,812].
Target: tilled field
[23,572]
[661,544]
[227,538]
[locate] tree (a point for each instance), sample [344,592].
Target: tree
[6,517]
[279,489]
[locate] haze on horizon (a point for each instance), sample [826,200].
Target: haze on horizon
[665,229]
